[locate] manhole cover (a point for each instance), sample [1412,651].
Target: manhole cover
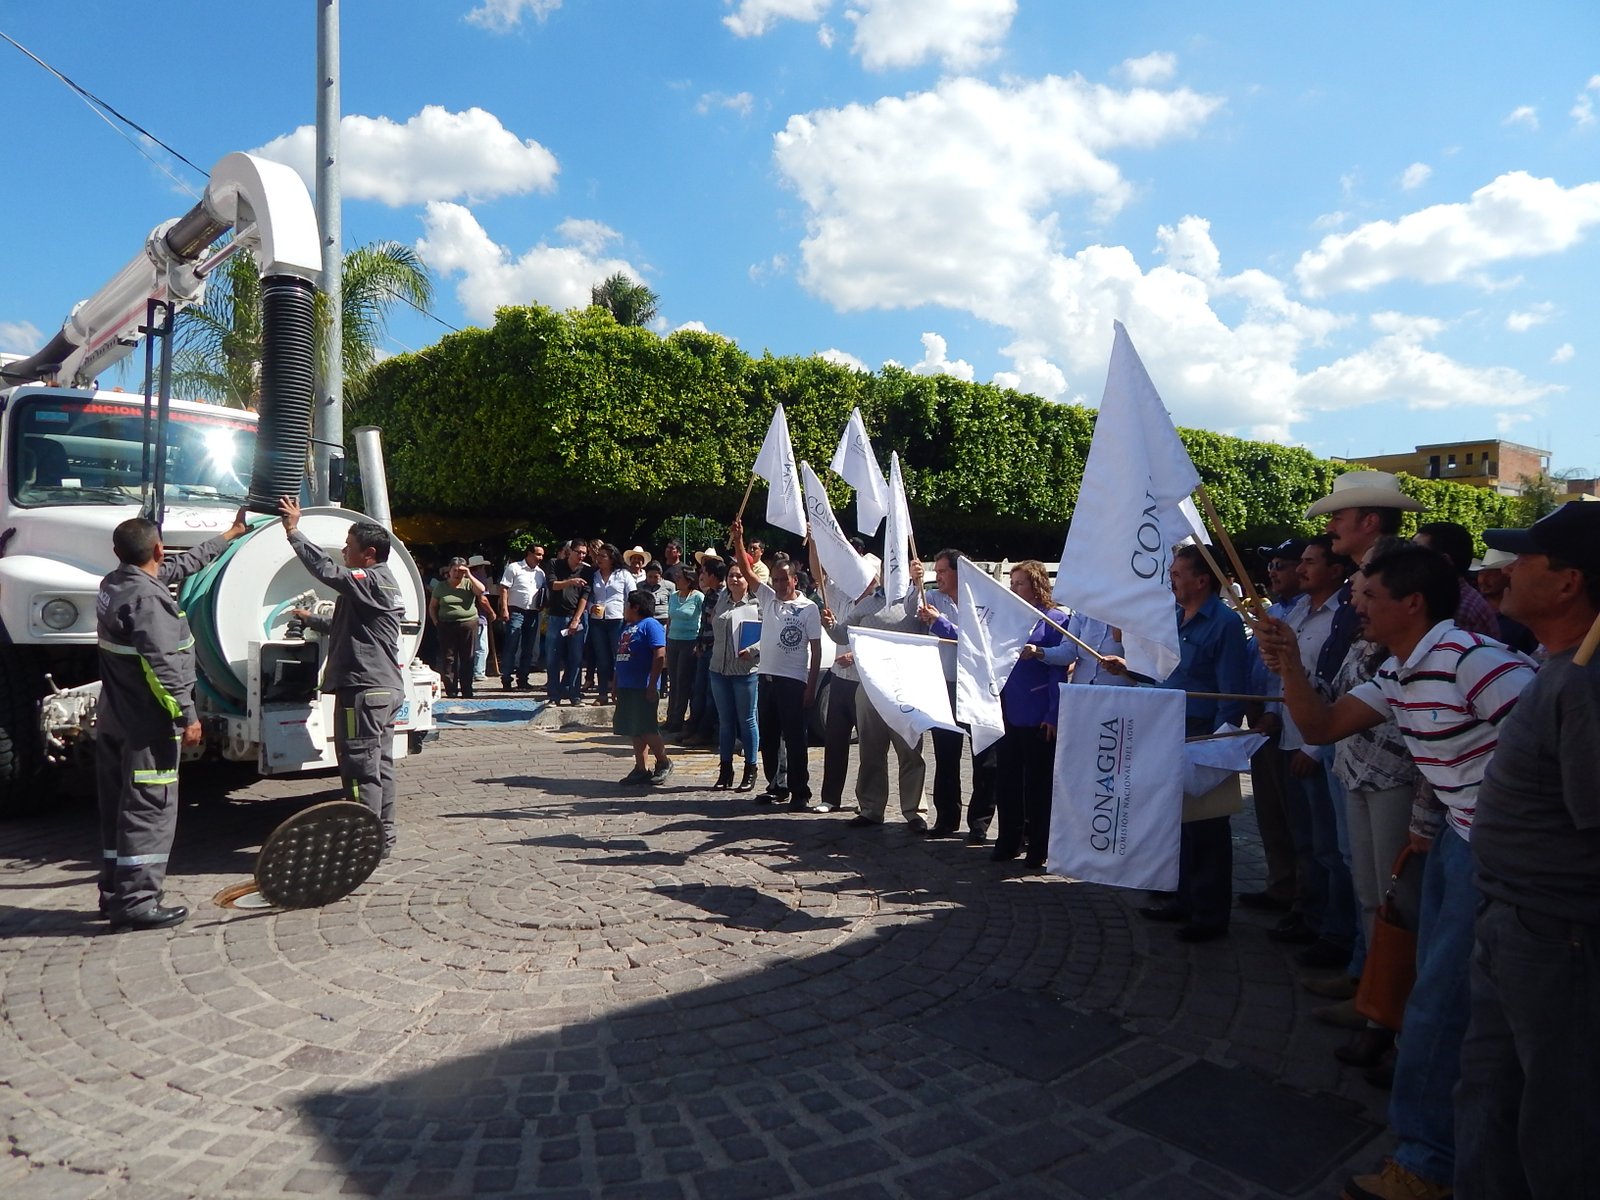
[320,854]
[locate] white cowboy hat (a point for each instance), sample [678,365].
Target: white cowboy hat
[1493,560]
[477,560]
[700,556]
[1364,489]
[638,553]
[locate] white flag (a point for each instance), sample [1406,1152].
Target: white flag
[848,571]
[993,624]
[897,579]
[1119,547]
[775,463]
[1118,799]
[903,678]
[855,461]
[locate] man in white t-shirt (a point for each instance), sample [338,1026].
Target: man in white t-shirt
[521,594]
[791,657]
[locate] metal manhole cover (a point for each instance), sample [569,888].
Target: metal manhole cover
[320,854]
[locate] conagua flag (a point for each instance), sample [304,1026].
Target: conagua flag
[1118,799]
[904,680]
[855,461]
[775,463]
[850,573]
[1119,547]
[993,624]
[897,579]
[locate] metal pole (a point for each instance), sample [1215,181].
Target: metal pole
[328,414]
[374,479]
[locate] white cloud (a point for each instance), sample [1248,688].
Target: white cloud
[1563,354]
[20,337]
[843,358]
[1507,422]
[1152,68]
[825,35]
[692,327]
[912,179]
[752,18]
[760,272]
[436,155]
[503,15]
[1521,322]
[1034,374]
[1514,216]
[1415,176]
[557,275]
[739,102]
[1525,115]
[961,34]
[936,360]
[1330,220]
[1582,110]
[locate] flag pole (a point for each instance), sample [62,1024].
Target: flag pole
[1252,598]
[748,488]
[1591,641]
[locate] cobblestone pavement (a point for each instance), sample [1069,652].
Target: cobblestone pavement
[559,988]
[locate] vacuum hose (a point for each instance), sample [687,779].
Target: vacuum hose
[288,369]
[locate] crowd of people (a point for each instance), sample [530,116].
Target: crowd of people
[1418,703]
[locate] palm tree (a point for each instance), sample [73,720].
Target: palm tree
[628,302]
[218,346]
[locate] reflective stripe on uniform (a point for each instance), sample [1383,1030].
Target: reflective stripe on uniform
[170,776]
[163,697]
[108,854]
[140,860]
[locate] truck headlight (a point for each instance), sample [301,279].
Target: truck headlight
[59,614]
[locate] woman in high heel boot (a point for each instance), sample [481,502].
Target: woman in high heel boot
[733,680]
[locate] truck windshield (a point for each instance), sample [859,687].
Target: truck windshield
[90,450]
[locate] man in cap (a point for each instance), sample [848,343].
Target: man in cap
[146,714]
[1529,1098]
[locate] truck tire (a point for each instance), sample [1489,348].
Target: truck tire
[22,786]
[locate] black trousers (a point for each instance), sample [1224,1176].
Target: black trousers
[836,732]
[363,742]
[948,749]
[781,713]
[1026,764]
[456,647]
[1205,871]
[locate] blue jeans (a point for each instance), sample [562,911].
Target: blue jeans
[563,656]
[604,634]
[1529,1099]
[1341,824]
[1429,1059]
[1338,923]
[520,646]
[735,697]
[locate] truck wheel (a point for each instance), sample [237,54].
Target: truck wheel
[22,788]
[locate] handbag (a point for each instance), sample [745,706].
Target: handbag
[1391,968]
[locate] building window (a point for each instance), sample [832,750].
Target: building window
[1450,464]
[1469,458]
[1433,466]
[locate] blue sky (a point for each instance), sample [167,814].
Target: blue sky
[1356,227]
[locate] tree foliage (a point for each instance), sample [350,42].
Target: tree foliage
[628,301]
[581,423]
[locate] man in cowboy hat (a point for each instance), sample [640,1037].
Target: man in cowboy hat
[635,561]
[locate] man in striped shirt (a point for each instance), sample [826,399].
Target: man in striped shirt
[1449,690]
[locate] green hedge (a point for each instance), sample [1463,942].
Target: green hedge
[575,422]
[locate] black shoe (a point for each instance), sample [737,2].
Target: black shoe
[917,825]
[1202,933]
[747,783]
[1032,863]
[862,821]
[151,918]
[1381,1076]
[634,777]
[524,686]
[945,832]
[977,837]
[1002,854]
[1164,912]
[505,684]
[1324,954]
[1262,902]
[799,803]
[1292,931]
[663,769]
[1367,1048]
[772,796]
[724,777]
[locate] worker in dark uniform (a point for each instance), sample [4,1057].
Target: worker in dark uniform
[145,716]
[363,667]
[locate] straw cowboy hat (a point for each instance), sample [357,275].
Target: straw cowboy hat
[637,554]
[1493,560]
[477,560]
[700,556]
[1364,489]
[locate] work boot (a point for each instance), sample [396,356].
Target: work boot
[154,917]
[1394,1182]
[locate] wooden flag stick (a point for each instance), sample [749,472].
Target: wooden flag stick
[1591,641]
[1252,598]
[748,488]
[1217,737]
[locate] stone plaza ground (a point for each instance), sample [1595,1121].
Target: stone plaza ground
[559,987]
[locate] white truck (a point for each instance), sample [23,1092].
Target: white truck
[75,461]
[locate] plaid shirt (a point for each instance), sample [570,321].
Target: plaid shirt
[1375,758]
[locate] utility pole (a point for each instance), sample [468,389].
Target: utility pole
[327,422]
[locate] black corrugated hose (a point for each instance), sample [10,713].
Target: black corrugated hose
[288,372]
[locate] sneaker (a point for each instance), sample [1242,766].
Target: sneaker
[663,769]
[1394,1182]
[635,777]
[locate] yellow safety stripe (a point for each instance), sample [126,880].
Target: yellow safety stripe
[156,776]
[163,697]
